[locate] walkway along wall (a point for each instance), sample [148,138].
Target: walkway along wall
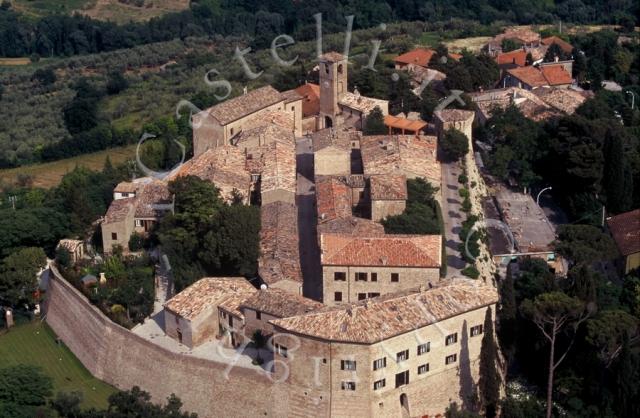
[119,357]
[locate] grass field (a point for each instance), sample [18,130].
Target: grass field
[35,344]
[48,175]
[37,8]
[15,61]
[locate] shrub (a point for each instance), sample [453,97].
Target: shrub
[471,271]
[463,179]
[136,242]
[63,257]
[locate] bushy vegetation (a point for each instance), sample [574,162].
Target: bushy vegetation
[421,213]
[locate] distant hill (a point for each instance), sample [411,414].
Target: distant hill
[119,11]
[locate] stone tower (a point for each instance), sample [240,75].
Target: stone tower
[333,84]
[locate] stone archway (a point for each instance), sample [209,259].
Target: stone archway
[404,405]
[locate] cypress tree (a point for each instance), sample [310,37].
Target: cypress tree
[614,173]
[508,312]
[489,382]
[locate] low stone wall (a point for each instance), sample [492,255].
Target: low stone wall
[123,359]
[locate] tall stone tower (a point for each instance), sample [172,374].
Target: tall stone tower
[333,84]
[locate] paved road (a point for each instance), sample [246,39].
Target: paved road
[306,201]
[453,216]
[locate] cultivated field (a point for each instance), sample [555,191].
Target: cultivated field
[15,61]
[120,12]
[48,175]
[35,344]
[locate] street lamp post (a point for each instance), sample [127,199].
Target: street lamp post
[633,98]
[541,191]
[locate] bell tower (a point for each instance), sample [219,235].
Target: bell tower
[333,84]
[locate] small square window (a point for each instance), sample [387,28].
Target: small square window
[395,277]
[402,378]
[114,236]
[362,296]
[477,330]
[424,348]
[374,277]
[258,315]
[361,277]
[402,356]
[451,359]
[379,384]
[380,363]
[293,108]
[347,364]
[340,276]
[281,349]
[337,296]
[348,385]
[373,295]
[451,339]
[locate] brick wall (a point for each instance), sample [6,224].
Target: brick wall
[123,359]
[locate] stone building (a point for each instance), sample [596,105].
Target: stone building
[625,230]
[279,261]
[530,78]
[361,267]
[75,248]
[462,120]
[388,195]
[137,207]
[400,355]
[206,309]
[218,125]
[310,94]
[272,303]
[408,155]
[332,149]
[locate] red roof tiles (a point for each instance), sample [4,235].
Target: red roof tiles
[310,99]
[518,57]
[418,56]
[625,229]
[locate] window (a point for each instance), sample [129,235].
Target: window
[124,194]
[402,378]
[258,315]
[373,295]
[348,385]
[380,363]
[293,108]
[340,276]
[451,359]
[255,178]
[423,368]
[402,356]
[326,68]
[281,349]
[138,222]
[339,68]
[362,296]
[477,330]
[231,131]
[114,236]
[451,339]
[230,321]
[374,277]
[337,296]
[424,348]
[395,277]
[347,364]
[379,384]
[361,277]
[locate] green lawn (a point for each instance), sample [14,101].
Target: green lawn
[35,343]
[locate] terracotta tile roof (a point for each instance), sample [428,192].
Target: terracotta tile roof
[378,319]
[311,99]
[279,251]
[385,250]
[150,194]
[268,118]
[223,166]
[565,100]
[207,293]
[556,75]
[388,187]
[413,156]
[119,210]
[625,229]
[418,56]
[126,187]
[351,226]
[280,303]
[363,104]
[333,199]
[291,96]
[404,123]
[521,34]
[70,244]
[334,137]
[240,106]
[518,57]
[420,74]
[564,45]
[455,56]
[279,170]
[454,115]
[529,75]
[332,56]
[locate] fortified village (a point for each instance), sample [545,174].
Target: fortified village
[359,322]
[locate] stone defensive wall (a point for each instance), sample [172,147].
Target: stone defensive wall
[123,359]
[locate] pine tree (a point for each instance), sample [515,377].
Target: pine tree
[489,382]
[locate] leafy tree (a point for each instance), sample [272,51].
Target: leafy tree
[553,313]
[608,331]
[31,227]
[63,257]
[136,242]
[509,45]
[454,144]
[67,405]
[584,244]
[18,275]
[374,123]
[489,381]
[44,76]
[23,391]
[116,82]
[454,411]
[421,215]
[196,200]
[627,373]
